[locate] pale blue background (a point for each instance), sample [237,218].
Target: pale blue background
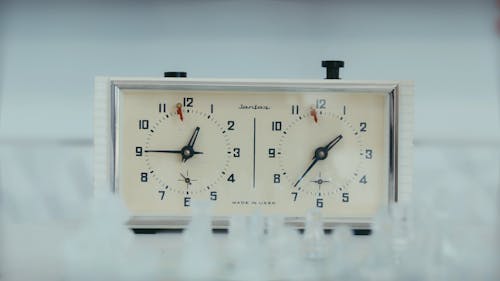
[52,50]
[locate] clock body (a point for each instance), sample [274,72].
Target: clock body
[277,148]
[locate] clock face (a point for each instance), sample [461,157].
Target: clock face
[275,150]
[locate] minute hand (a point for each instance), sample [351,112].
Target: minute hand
[315,160]
[171,151]
[319,154]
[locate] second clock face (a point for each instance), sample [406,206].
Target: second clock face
[281,152]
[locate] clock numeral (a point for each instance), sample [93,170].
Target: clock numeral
[230,125]
[138,151]
[295,109]
[272,152]
[162,192]
[363,180]
[187,201]
[362,127]
[144,177]
[368,154]
[143,124]
[162,107]
[277,178]
[345,197]
[344,110]
[187,102]
[320,103]
[231,178]
[319,202]
[276,125]
[213,195]
[236,152]
[211,108]
[294,194]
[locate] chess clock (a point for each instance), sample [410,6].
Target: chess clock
[273,147]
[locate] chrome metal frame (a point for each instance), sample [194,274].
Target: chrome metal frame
[159,222]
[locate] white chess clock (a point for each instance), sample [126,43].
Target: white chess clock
[274,147]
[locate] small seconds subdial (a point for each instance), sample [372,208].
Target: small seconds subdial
[186,151]
[320,153]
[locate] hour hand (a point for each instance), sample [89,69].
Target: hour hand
[188,150]
[194,137]
[333,143]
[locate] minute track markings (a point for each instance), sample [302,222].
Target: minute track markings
[164,121]
[353,140]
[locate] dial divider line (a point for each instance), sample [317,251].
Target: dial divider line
[254,138]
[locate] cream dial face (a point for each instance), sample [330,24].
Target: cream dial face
[163,149]
[276,151]
[342,164]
